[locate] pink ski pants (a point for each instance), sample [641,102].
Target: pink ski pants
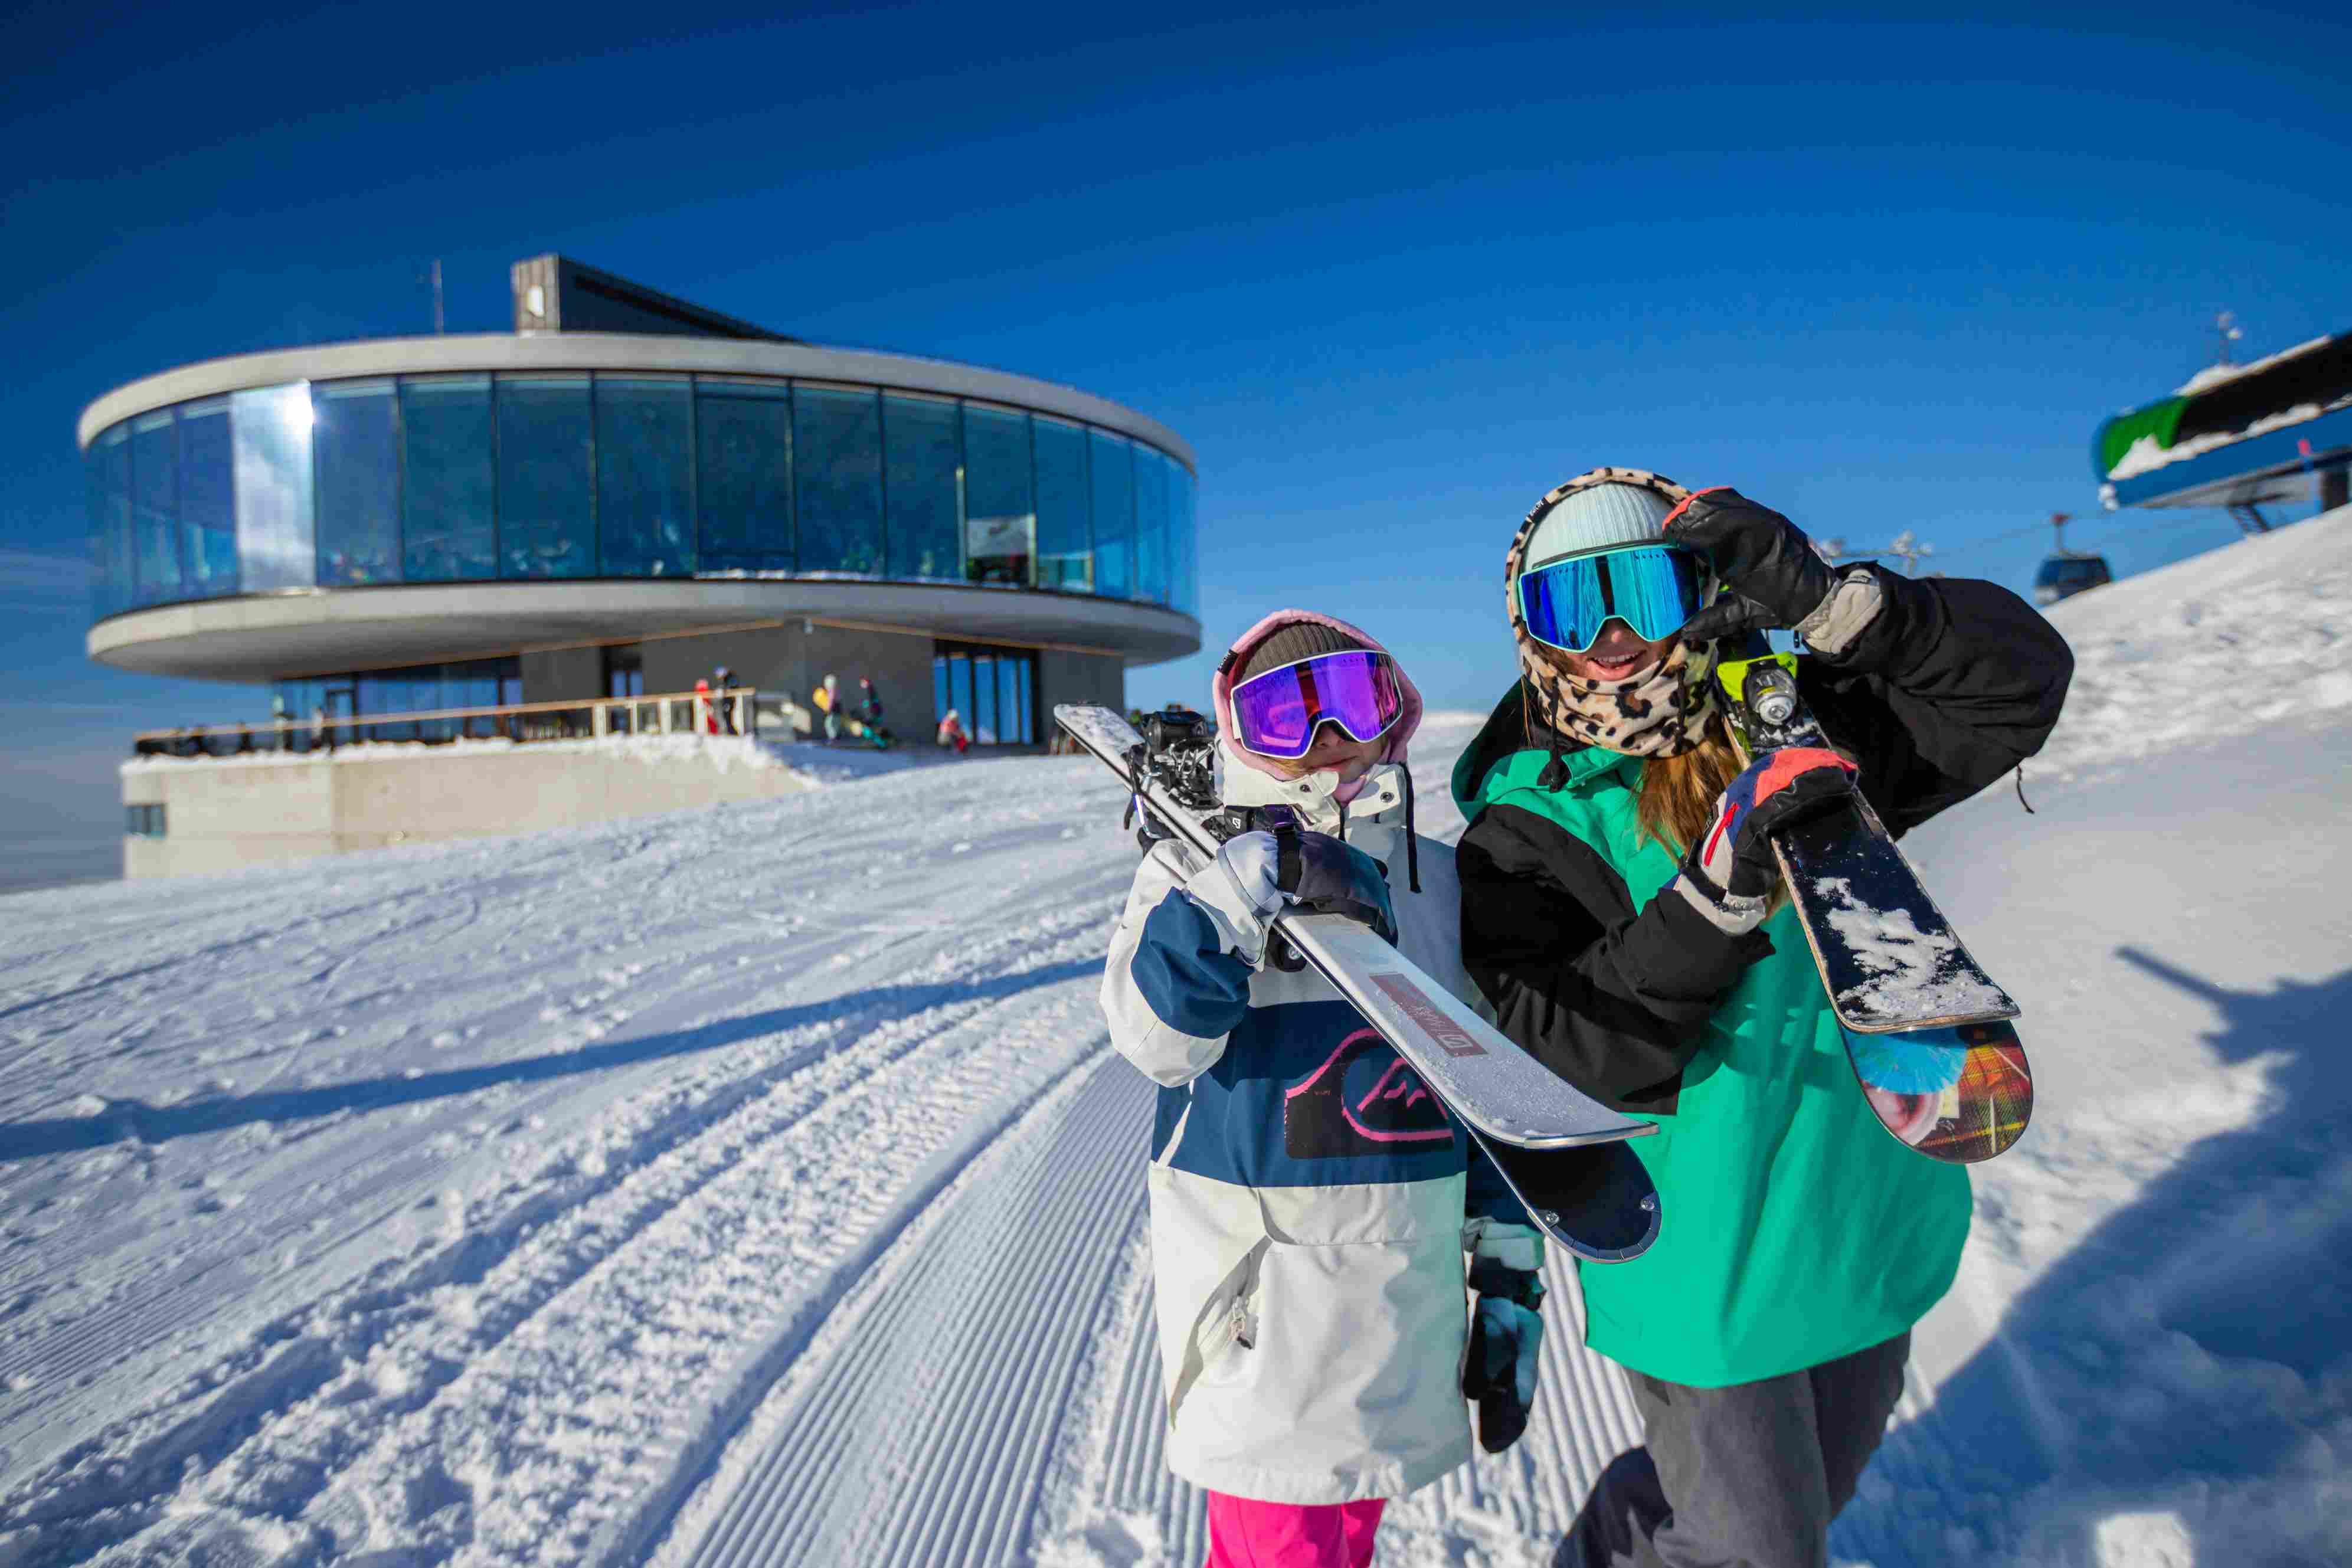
[1247,1533]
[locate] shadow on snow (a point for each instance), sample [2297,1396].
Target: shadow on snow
[2197,1339]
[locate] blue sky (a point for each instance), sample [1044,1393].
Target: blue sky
[1393,273]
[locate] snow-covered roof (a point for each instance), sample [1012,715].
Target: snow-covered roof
[2214,375]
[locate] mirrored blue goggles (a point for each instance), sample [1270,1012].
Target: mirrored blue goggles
[1653,588]
[1276,714]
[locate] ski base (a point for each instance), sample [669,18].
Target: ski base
[1598,1202]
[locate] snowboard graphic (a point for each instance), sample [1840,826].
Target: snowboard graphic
[1959,1096]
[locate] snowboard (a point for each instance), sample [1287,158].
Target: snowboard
[1886,955]
[1927,1031]
[1560,1152]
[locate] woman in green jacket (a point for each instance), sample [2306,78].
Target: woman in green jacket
[1621,911]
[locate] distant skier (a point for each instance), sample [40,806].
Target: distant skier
[869,713]
[1621,908]
[826,698]
[951,733]
[1311,1202]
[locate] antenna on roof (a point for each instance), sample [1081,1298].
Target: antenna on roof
[1909,550]
[2226,328]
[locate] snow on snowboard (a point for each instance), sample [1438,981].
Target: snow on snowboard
[1925,1029]
[1562,1154]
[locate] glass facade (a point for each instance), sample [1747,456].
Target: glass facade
[920,480]
[645,476]
[466,478]
[355,442]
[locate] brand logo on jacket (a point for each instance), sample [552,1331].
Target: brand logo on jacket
[1362,1100]
[1443,1031]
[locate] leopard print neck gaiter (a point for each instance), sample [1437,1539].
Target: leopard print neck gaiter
[1658,712]
[1662,711]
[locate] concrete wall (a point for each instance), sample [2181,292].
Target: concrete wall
[223,815]
[1078,678]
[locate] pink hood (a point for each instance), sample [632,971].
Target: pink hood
[1220,687]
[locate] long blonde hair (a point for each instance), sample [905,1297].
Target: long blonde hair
[1679,793]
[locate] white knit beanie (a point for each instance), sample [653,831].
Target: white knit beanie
[1597,518]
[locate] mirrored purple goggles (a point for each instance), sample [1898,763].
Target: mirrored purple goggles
[1276,714]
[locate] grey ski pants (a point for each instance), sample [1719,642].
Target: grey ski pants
[1745,1477]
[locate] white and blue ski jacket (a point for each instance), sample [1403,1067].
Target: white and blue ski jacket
[1311,1201]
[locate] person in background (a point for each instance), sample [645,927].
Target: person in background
[722,680]
[1311,1202]
[951,733]
[828,701]
[706,712]
[869,713]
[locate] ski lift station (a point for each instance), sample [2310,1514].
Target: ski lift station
[479,577]
[2238,436]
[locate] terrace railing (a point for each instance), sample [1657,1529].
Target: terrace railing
[733,710]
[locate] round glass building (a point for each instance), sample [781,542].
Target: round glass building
[436,521]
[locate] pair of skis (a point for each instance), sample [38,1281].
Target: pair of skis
[1561,1153]
[1927,1031]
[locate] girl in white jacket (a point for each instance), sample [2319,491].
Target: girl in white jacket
[1311,1202]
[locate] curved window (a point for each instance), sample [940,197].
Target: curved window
[547,502]
[744,476]
[155,508]
[446,480]
[1114,494]
[837,459]
[269,432]
[356,445]
[645,476]
[1151,526]
[1065,550]
[532,476]
[208,497]
[113,591]
[922,483]
[1001,518]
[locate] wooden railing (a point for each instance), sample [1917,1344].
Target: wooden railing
[733,710]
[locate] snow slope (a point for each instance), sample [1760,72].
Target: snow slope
[756,1184]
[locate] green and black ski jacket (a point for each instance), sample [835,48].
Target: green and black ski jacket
[1795,1230]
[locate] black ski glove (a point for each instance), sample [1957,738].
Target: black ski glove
[1506,1334]
[1766,561]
